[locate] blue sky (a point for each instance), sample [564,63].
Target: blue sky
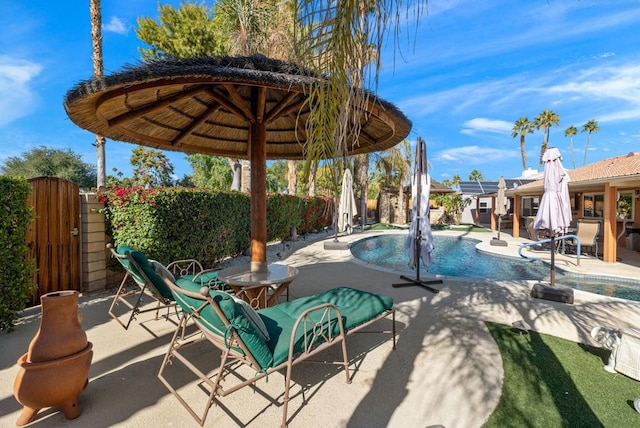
[475,67]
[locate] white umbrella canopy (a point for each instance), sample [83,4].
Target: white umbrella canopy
[347,207]
[554,212]
[501,199]
[501,203]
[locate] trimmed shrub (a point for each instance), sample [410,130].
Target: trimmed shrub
[178,223]
[16,269]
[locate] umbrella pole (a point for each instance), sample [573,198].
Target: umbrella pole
[421,164]
[417,281]
[552,275]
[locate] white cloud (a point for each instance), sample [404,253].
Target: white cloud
[481,124]
[475,155]
[116,25]
[17,97]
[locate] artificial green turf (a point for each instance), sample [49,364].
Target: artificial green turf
[552,382]
[386,226]
[463,227]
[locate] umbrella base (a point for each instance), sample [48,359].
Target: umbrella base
[419,283]
[336,245]
[556,294]
[498,242]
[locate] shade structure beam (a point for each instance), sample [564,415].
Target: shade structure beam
[241,103]
[195,123]
[147,108]
[274,113]
[230,106]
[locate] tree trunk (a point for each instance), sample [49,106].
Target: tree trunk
[246,175]
[236,167]
[98,71]
[292,177]
[312,179]
[586,149]
[523,153]
[364,184]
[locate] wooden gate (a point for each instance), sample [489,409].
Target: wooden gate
[54,235]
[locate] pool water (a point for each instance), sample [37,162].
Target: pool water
[458,257]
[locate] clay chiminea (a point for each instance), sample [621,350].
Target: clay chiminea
[55,369]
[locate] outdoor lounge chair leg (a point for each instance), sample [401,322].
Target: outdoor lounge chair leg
[393,327]
[158,307]
[345,359]
[116,298]
[120,297]
[285,405]
[172,352]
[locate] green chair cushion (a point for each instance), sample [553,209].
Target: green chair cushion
[356,307]
[234,314]
[156,282]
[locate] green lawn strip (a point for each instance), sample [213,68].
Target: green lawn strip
[386,226]
[552,382]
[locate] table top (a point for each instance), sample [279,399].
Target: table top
[241,275]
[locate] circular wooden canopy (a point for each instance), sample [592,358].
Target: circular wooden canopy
[207,105]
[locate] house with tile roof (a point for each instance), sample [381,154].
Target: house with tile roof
[388,208]
[607,191]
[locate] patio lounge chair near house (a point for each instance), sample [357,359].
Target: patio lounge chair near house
[266,340]
[588,231]
[149,285]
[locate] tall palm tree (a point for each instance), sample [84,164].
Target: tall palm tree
[476,175]
[590,126]
[522,127]
[570,132]
[98,71]
[545,120]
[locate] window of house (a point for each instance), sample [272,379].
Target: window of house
[530,206]
[624,209]
[593,205]
[483,208]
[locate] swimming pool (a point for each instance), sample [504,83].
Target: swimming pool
[458,257]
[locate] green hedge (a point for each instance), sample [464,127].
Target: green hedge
[16,269]
[177,223]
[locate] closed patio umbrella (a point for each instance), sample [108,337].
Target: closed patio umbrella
[420,239]
[347,207]
[554,212]
[500,209]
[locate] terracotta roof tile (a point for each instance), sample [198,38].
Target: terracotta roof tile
[617,167]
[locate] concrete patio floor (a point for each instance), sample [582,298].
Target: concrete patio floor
[446,370]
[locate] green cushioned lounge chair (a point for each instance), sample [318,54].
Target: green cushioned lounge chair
[149,286]
[295,331]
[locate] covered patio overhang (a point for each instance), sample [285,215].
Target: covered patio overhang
[488,189]
[609,177]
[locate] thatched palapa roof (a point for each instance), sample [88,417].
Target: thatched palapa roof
[206,105]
